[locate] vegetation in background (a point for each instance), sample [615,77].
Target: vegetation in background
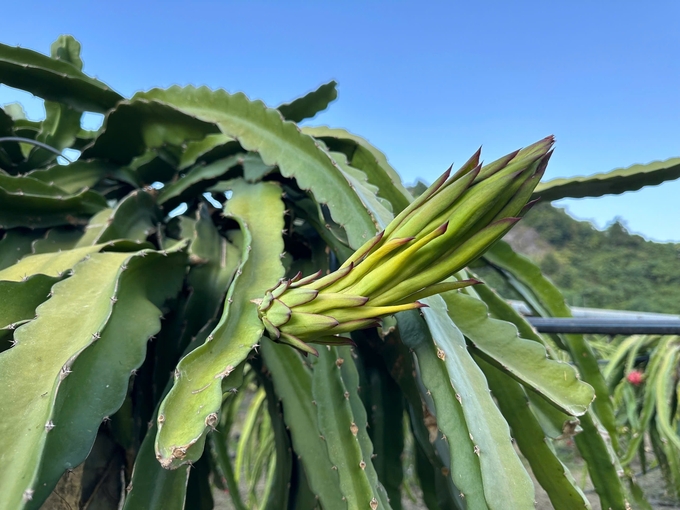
[642,374]
[609,268]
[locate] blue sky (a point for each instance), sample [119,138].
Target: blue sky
[426,82]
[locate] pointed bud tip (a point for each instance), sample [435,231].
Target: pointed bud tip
[543,164]
[300,282]
[509,222]
[475,157]
[529,205]
[400,241]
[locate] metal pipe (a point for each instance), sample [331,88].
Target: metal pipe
[605,326]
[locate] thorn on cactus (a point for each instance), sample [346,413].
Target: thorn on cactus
[354,429]
[211,420]
[225,372]
[65,370]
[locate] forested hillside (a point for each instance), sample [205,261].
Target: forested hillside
[601,269]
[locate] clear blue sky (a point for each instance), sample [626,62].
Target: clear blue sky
[427,82]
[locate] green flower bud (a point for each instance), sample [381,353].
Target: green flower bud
[451,224]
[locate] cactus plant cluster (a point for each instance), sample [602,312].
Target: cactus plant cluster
[203,239]
[642,374]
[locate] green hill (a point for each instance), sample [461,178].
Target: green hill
[599,269]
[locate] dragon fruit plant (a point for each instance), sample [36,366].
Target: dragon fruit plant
[202,239]
[642,371]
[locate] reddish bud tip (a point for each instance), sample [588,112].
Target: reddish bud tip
[447,173]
